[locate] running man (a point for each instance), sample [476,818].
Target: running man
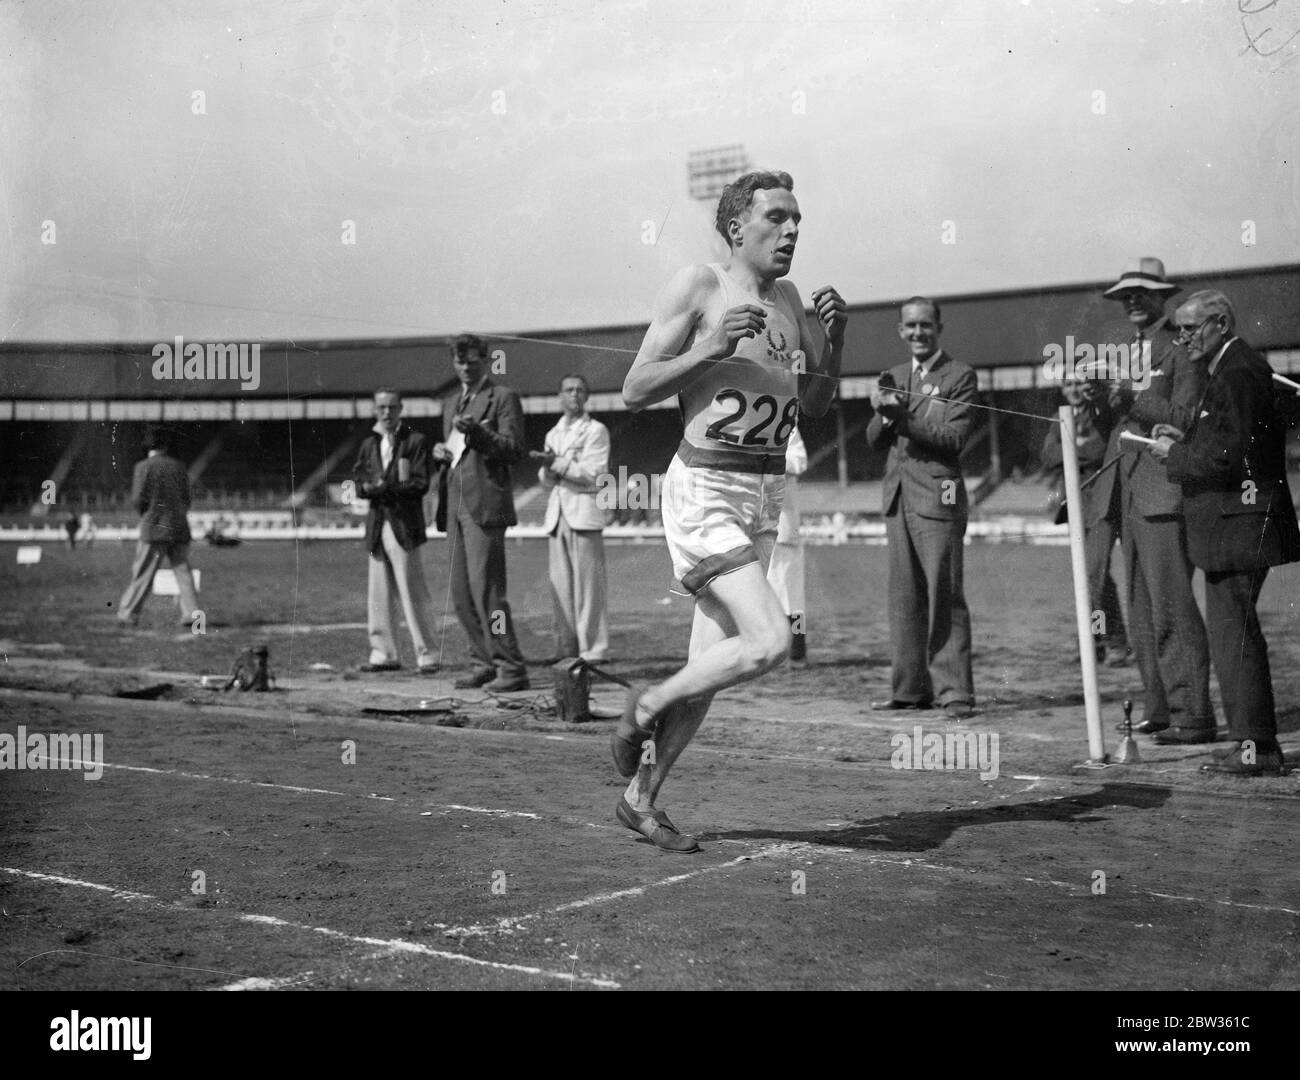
[731,339]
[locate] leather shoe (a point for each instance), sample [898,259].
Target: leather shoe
[656,828]
[958,710]
[1144,727]
[1266,763]
[386,665]
[893,704]
[475,679]
[1184,736]
[503,684]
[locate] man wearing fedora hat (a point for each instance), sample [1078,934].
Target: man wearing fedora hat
[1165,626]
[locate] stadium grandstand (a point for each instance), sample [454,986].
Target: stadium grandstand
[280,452]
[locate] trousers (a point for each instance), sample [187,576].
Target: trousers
[1241,655]
[929,622]
[478,591]
[1165,628]
[578,589]
[398,574]
[148,557]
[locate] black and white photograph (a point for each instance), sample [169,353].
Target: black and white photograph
[625,495]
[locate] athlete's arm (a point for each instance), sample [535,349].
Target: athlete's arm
[818,381]
[658,372]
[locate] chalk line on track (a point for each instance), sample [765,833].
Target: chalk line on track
[386,945]
[508,925]
[490,811]
[1080,888]
[445,807]
[237,780]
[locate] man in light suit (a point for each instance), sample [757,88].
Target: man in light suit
[572,466]
[1240,518]
[392,472]
[923,416]
[483,436]
[1165,627]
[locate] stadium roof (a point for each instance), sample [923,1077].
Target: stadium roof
[998,330]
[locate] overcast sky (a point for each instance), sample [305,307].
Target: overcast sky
[198,159]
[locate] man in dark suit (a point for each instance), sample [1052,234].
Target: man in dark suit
[483,435]
[160,493]
[1240,518]
[392,471]
[923,416]
[1092,427]
[1165,627]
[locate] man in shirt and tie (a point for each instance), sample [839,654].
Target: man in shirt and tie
[572,465]
[923,417]
[392,472]
[1165,627]
[483,436]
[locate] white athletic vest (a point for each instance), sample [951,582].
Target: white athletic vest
[748,402]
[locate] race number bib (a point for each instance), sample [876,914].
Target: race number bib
[739,418]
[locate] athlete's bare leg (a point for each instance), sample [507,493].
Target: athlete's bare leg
[739,632]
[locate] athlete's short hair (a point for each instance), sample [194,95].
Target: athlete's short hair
[932,304]
[581,378]
[469,343]
[738,196]
[388,390]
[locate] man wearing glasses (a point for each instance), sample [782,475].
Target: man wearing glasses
[1240,518]
[1165,628]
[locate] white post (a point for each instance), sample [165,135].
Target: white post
[1082,601]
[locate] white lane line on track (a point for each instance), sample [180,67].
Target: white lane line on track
[386,945]
[302,978]
[489,810]
[257,982]
[1080,889]
[249,783]
[508,925]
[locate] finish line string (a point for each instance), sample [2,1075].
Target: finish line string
[743,363]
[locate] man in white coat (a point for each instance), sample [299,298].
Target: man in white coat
[572,465]
[785,572]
